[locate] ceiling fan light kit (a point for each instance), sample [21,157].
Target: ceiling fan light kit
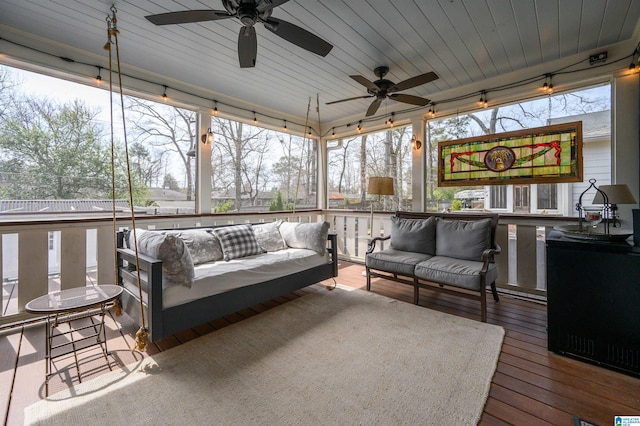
[249,13]
[383,89]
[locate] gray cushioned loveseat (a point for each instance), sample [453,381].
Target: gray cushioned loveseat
[448,252]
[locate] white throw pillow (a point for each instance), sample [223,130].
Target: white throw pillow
[312,236]
[268,236]
[177,266]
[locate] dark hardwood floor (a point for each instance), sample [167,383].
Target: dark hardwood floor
[531,386]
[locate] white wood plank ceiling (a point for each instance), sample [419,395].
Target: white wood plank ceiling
[465,42]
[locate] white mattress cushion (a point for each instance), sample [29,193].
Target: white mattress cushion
[218,277]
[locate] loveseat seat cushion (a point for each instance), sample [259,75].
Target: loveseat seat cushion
[395,261]
[463,239]
[414,235]
[455,272]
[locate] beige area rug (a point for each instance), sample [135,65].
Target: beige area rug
[332,357]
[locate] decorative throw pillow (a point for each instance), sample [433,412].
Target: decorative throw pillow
[268,236]
[237,241]
[463,239]
[312,236]
[203,246]
[177,266]
[415,235]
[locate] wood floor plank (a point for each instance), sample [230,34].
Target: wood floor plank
[531,384]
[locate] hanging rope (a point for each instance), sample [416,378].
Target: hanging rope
[112,34]
[304,144]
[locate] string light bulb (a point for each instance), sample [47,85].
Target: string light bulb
[255,119]
[359,128]
[215,108]
[99,76]
[309,131]
[333,132]
[483,99]
[285,126]
[635,57]
[432,110]
[547,87]
[390,120]
[164,94]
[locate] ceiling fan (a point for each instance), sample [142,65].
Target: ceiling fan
[249,12]
[382,89]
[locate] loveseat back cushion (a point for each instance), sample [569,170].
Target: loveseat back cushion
[237,241]
[463,239]
[312,236]
[203,246]
[177,266]
[269,237]
[414,235]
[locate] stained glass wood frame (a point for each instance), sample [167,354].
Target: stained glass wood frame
[550,154]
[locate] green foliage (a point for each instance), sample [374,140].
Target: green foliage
[456,205]
[277,204]
[170,183]
[55,151]
[223,207]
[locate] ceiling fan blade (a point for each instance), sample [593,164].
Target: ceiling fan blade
[410,99]
[298,36]
[349,99]
[413,82]
[365,82]
[187,16]
[247,47]
[374,107]
[269,4]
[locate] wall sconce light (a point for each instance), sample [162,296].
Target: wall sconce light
[207,138]
[415,143]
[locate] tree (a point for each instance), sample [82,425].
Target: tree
[170,183]
[238,158]
[166,127]
[277,204]
[52,151]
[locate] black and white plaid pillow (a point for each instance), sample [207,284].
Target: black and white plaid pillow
[237,241]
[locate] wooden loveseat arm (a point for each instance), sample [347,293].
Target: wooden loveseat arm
[372,243]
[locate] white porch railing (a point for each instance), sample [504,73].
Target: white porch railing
[43,256]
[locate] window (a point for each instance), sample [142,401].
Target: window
[591,106]
[548,196]
[257,169]
[498,197]
[353,160]
[55,145]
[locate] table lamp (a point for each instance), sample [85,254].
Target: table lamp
[616,194]
[379,186]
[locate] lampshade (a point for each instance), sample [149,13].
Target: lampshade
[380,186]
[616,194]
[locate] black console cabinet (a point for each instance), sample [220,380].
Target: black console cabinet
[593,302]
